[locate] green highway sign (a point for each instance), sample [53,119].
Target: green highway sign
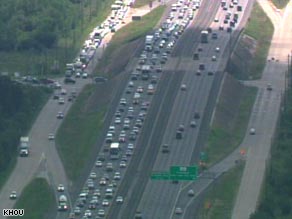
[160,176]
[184,170]
[183,177]
[177,173]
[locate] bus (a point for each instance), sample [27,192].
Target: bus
[114,151]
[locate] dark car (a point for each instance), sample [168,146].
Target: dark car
[69,81]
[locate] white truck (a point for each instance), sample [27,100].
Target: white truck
[24,146]
[63,203]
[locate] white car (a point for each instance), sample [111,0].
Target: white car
[61,100]
[84,75]
[217,49]
[183,87]
[105,203]
[98,163]
[101,213]
[60,188]
[123,164]
[92,175]
[51,136]
[88,213]
[13,195]
[119,199]
[252,131]
[214,58]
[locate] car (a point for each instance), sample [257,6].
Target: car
[123,164]
[214,58]
[92,175]
[61,188]
[252,131]
[130,146]
[56,97]
[183,87]
[102,182]
[60,115]
[101,213]
[165,148]
[96,193]
[71,215]
[221,27]
[129,152]
[178,134]
[77,75]
[217,49]
[178,210]
[69,80]
[105,203]
[117,176]
[269,87]
[98,163]
[51,136]
[181,128]
[216,19]
[77,210]
[198,72]
[13,195]
[61,100]
[193,124]
[197,115]
[191,193]
[210,73]
[84,75]
[88,213]
[119,199]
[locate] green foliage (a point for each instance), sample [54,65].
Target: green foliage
[222,195]
[37,199]
[18,108]
[223,140]
[263,37]
[277,195]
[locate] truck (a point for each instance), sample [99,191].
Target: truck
[204,36]
[114,151]
[24,146]
[149,40]
[63,203]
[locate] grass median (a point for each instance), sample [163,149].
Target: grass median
[78,134]
[130,33]
[223,141]
[219,201]
[140,3]
[37,200]
[263,37]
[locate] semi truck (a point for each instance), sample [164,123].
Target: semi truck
[24,146]
[63,203]
[204,36]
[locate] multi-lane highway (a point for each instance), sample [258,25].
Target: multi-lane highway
[158,199]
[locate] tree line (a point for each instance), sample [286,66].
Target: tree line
[35,24]
[19,106]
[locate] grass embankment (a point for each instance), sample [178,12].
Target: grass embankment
[263,37]
[140,3]
[280,3]
[39,64]
[37,200]
[219,201]
[78,134]
[129,33]
[276,196]
[223,141]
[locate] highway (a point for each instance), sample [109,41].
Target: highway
[158,199]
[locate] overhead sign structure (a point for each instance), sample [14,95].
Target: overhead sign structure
[177,173]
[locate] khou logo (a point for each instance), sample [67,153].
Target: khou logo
[13,212]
